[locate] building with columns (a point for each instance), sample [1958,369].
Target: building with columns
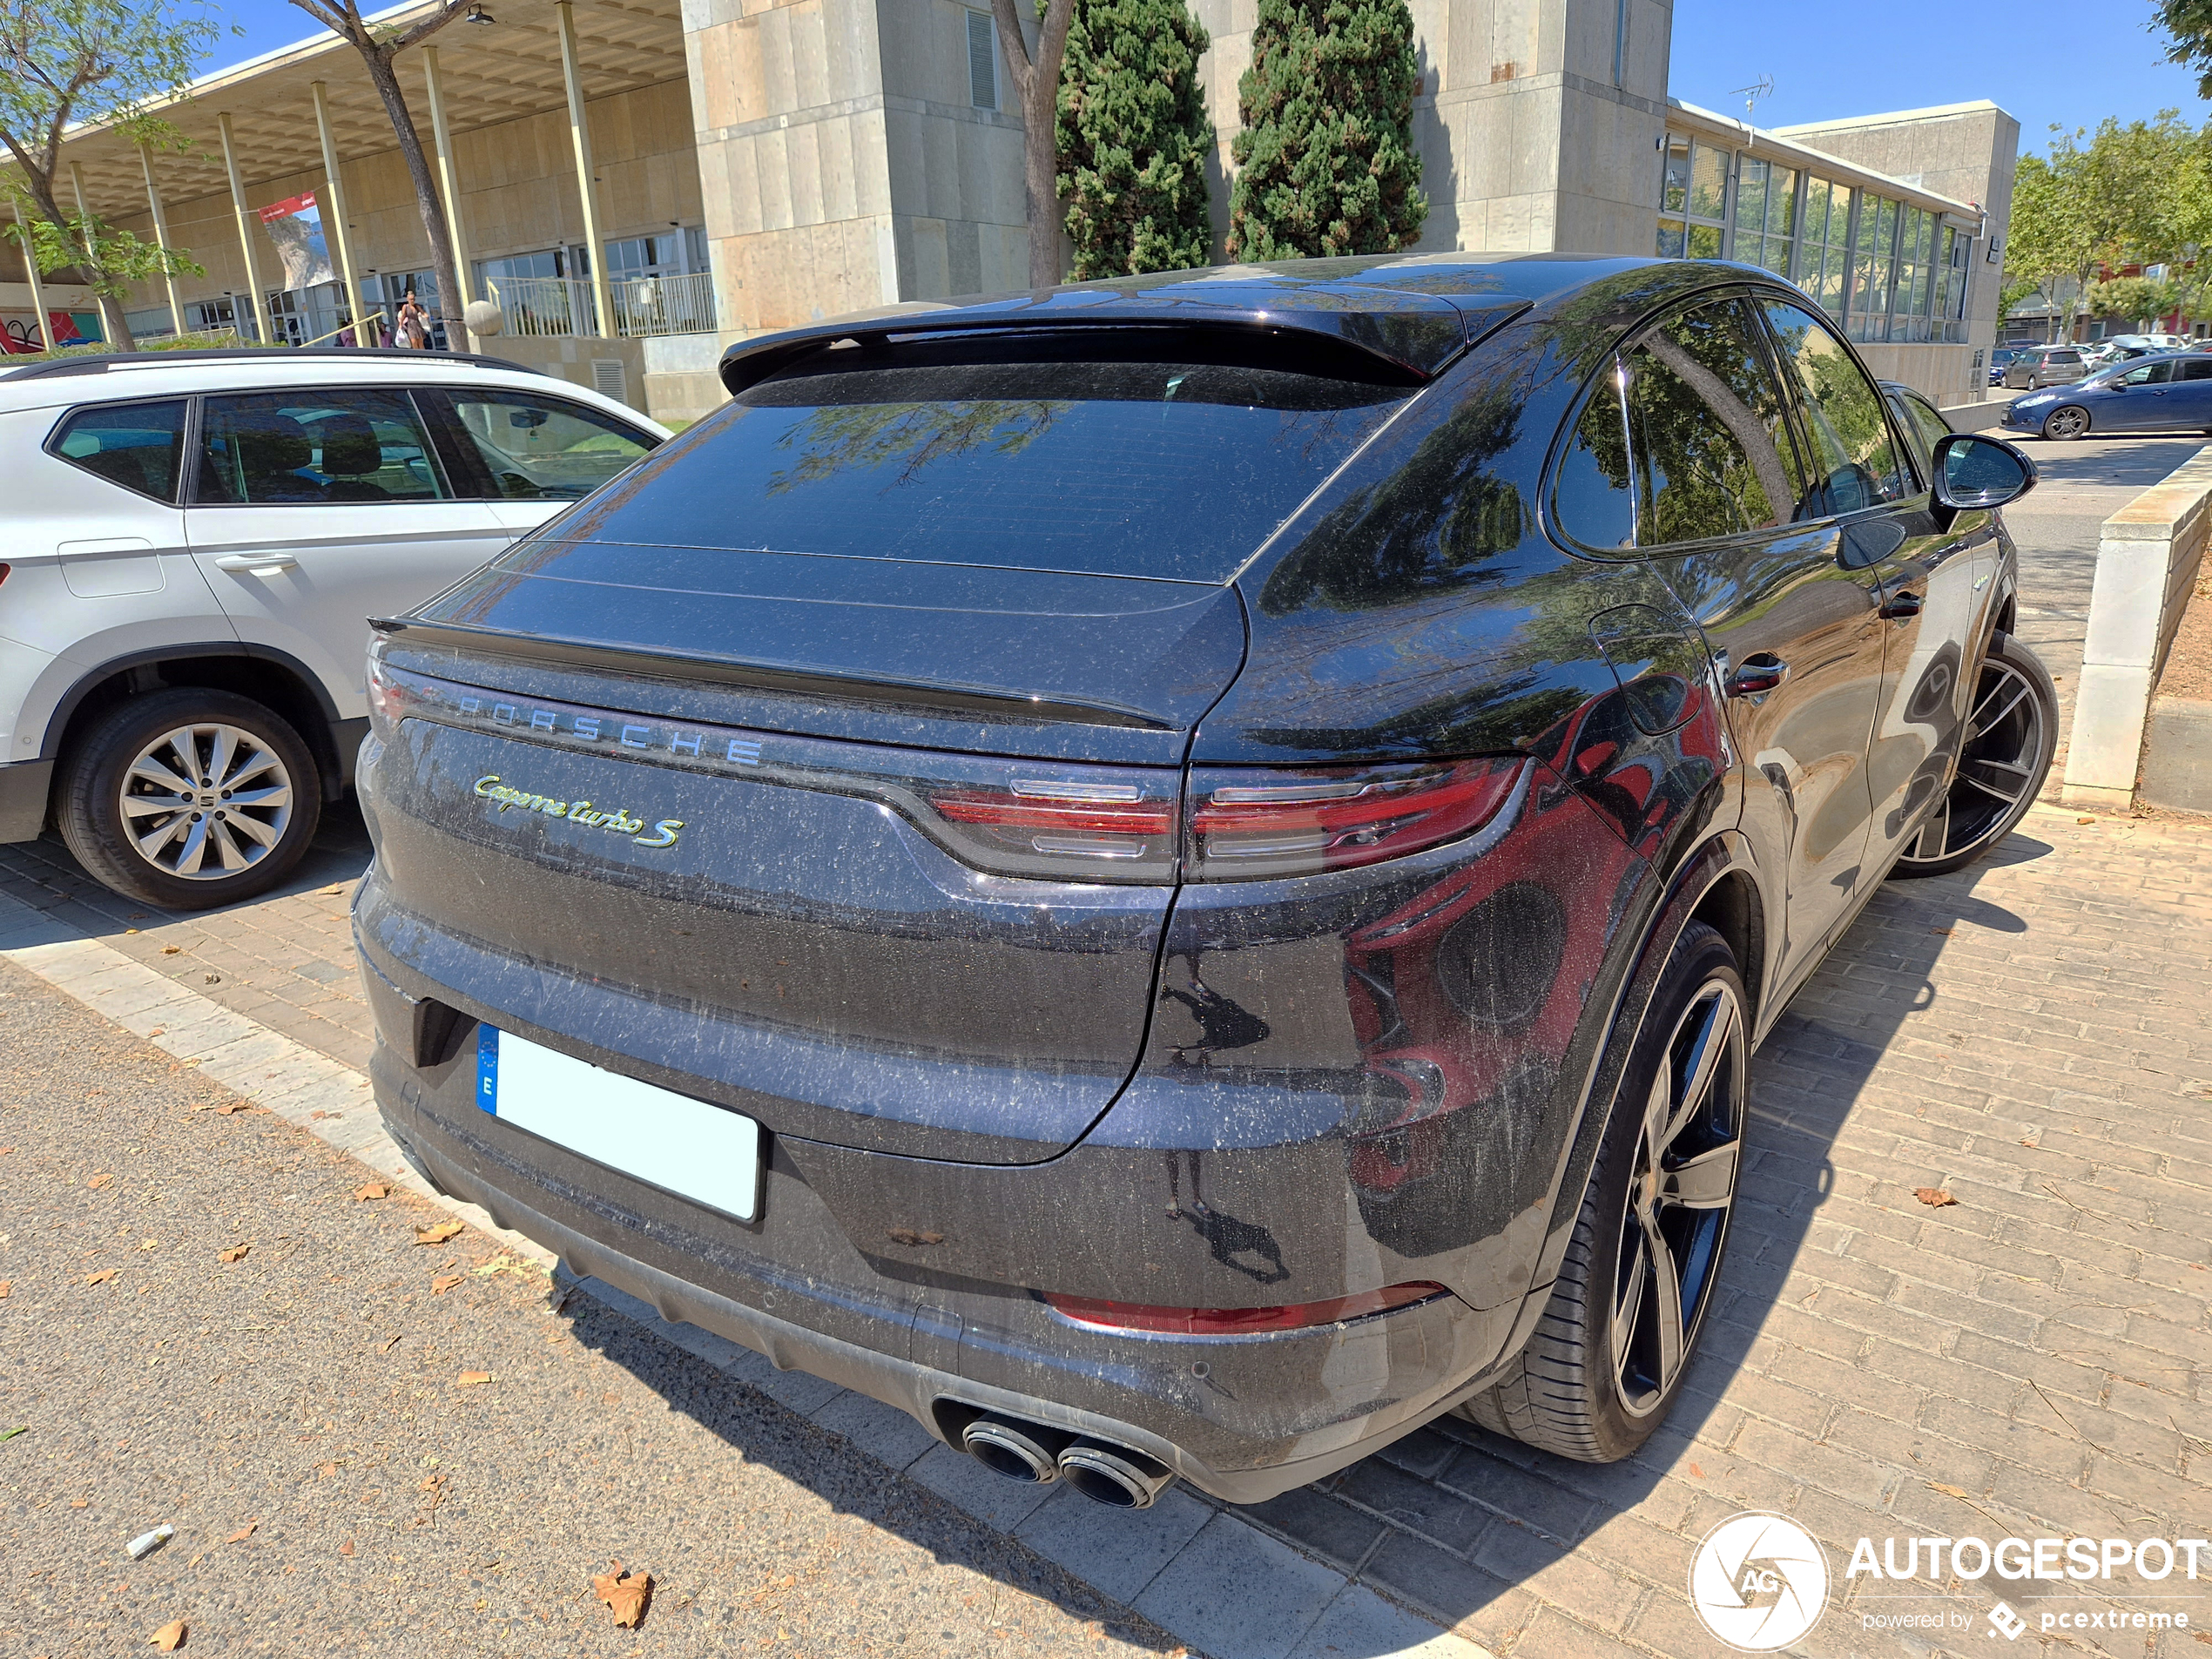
[638,184]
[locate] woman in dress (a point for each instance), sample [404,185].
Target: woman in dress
[414,324]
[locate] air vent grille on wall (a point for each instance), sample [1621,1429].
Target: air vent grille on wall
[982,62]
[609,379]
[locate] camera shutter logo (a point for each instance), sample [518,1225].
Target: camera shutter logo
[1759,1581]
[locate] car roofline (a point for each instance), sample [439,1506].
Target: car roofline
[102,362]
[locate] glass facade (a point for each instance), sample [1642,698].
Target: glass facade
[1882,269]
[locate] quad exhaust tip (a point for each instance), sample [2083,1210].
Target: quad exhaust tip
[1036,1454]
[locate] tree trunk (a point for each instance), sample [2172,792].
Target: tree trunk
[111,321]
[1040,170]
[426,195]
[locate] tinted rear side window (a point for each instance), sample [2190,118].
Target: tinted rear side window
[1091,462]
[137,445]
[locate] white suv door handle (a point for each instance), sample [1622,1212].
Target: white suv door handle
[257,564]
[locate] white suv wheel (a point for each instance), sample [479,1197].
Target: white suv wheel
[205,801]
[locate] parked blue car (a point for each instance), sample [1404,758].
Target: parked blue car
[2171,392]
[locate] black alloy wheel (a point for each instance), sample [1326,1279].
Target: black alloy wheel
[189,797]
[2012,732]
[1610,1354]
[2067,422]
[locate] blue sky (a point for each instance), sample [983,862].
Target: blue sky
[2044,60]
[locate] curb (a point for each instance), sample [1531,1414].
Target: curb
[1203,1574]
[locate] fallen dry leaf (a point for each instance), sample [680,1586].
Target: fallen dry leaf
[170,1637]
[346,1548]
[1948,1492]
[6,1286]
[1935,1198]
[80,1503]
[4,1150]
[374,1190]
[1696,1473]
[158,1030]
[325,1470]
[438,1234]
[625,1594]
[2085,819]
[443,1282]
[149,1244]
[102,1277]
[170,950]
[100,1180]
[1943,930]
[230,1106]
[913,1239]
[243,1532]
[472,1378]
[235,1253]
[388,1343]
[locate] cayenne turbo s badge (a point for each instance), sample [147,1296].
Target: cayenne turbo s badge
[618,821]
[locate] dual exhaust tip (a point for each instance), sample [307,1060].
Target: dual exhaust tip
[1037,1454]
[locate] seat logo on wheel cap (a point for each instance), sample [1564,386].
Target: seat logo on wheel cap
[1759,1581]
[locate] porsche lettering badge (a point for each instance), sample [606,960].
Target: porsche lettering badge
[618,822]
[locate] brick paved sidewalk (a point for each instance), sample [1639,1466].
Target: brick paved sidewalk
[2031,1034]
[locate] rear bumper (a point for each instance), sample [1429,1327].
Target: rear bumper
[1244,1418]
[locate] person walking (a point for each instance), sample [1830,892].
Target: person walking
[414,329]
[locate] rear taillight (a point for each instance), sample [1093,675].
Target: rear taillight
[1248,824]
[1234,1322]
[388,691]
[3,573]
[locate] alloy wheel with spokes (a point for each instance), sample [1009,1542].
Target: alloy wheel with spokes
[1681,1189]
[189,796]
[2004,753]
[2066,423]
[205,800]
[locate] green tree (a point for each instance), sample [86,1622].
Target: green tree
[1134,136]
[63,62]
[379,44]
[2133,299]
[2188,26]
[2124,195]
[1325,163]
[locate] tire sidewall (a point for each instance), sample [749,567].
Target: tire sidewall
[2018,656]
[1700,955]
[90,813]
[2050,436]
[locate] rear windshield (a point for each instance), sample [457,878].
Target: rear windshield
[1081,456]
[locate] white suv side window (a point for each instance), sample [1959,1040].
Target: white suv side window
[300,449]
[136,445]
[538,449]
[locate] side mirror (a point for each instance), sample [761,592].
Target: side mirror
[1972,471]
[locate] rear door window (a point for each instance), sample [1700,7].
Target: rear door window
[340,446]
[1109,457]
[518,445]
[1855,462]
[138,446]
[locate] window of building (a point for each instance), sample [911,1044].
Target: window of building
[982,61]
[154,323]
[667,254]
[1823,253]
[1866,307]
[1766,213]
[1693,195]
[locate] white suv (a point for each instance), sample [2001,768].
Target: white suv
[191,547]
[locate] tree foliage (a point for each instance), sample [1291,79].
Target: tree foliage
[1133,137]
[2136,194]
[1326,158]
[2187,25]
[63,62]
[2133,299]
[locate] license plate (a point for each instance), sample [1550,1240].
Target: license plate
[686,1146]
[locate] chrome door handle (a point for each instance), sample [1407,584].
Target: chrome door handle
[257,564]
[1760,674]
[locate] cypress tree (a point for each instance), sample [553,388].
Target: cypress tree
[1325,163]
[1134,136]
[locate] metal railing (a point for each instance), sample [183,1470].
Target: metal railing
[563,305]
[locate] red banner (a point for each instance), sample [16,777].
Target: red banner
[288,206]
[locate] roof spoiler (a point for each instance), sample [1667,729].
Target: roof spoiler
[1405,335]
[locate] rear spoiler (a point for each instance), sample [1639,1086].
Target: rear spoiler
[1401,335]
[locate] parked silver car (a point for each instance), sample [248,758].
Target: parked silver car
[2046,365]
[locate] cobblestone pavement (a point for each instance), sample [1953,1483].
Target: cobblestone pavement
[370,1446]
[2030,1034]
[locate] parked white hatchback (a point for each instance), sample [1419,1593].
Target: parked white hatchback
[190,546]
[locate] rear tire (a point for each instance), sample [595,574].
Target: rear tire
[235,828]
[2012,732]
[1609,1358]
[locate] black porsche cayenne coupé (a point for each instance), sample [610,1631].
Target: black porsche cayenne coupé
[1177,876]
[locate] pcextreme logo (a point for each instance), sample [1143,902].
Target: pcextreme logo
[1758,1582]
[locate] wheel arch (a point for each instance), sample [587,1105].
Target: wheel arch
[274,678]
[1717,884]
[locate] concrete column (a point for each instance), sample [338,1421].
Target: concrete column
[161,235]
[264,325]
[580,138]
[30,275]
[441,137]
[334,221]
